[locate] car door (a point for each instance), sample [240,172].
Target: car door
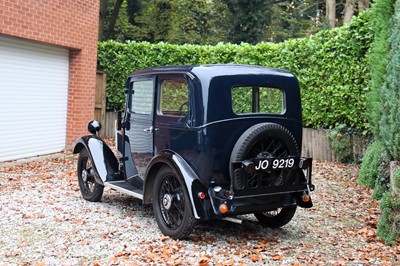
[140,115]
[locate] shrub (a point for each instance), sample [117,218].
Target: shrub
[382,183]
[389,123]
[381,12]
[389,223]
[340,143]
[372,165]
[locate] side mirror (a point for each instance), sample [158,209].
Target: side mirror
[94,127]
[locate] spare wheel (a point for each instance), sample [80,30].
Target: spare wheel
[264,140]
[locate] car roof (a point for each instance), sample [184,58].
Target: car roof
[214,70]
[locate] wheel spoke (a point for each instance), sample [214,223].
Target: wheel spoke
[268,147]
[87,175]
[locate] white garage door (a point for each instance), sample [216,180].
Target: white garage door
[33,98]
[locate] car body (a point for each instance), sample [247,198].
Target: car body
[203,142]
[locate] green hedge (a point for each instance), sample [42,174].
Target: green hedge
[331,66]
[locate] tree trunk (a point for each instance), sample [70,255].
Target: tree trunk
[363,4]
[348,11]
[331,12]
[113,19]
[102,18]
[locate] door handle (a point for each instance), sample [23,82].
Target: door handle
[150,129]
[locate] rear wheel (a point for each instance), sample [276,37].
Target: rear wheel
[90,190]
[276,218]
[171,205]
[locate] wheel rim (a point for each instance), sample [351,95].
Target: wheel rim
[171,201]
[86,176]
[268,147]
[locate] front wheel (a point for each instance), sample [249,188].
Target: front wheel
[171,205]
[276,218]
[90,190]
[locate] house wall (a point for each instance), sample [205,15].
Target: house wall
[68,23]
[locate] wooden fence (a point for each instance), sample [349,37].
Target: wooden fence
[100,99]
[315,142]
[109,125]
[316,145]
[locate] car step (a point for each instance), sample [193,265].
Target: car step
[126,188]
[232,220]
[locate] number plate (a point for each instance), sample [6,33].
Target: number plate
[275,163]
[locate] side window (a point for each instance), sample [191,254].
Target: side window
[142,97]
[174,97]
[254,99]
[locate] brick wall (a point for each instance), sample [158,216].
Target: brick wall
[69,23]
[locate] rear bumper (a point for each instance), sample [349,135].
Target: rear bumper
[260,191]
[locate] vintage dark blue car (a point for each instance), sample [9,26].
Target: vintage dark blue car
[204,142]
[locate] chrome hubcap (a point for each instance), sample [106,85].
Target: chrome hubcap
[167,201]
[84,175]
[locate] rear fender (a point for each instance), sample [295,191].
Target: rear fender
[183,169]
[104,161]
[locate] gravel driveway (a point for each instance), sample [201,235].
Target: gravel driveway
[45,221]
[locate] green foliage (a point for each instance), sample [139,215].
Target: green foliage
[292,19]
[374,165]
[249,19]
[174,96]
[390,92]
[378,190]
[389,223]
[178,21]
[383,182]
[270,100]
[381,12]
[340,143]
[331,67]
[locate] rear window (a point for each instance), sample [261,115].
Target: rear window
[255,99]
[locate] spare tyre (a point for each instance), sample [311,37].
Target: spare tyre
[264,140]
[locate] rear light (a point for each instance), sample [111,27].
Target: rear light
[201,195]
[223,208]
[305,197]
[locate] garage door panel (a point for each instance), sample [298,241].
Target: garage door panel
[33,98]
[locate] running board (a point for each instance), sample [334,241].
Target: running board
[124,187]
[232,220]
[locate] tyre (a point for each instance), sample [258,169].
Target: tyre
[171,205]
[276,218]
[90,190]
[261,141]
[264,140]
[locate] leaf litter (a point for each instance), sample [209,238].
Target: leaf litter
[45,221]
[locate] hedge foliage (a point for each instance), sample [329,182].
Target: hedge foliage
[390,91]
[331,66]
[388,225]
[374,165]
[380,17]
